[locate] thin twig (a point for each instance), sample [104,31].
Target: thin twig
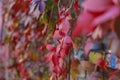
[72,1]
[69,65]
[58,5]
[6,62]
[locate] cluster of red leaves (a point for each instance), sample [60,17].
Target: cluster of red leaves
[24,7]
[23,31]
[57,54]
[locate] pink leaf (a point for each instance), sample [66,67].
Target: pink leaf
[97,5]
[83,24]
[48,56]
[65,26]
[58,48]
[57,35]
[117,2]
[50,47]
[88,46]
[61,62]
[44,30]
[97,34]
[62,54]
[112,13]
[68,40]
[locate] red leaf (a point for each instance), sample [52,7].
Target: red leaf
[114,72]
[55,60]
[59,21]
[48,57]
[83,24]
[50,47]
[56,1]
[67,50]
[114,77]
[57,35]
[101,63]
[21,5]
[55,70]
[44,30]
[61,33]
[68,40]
[76,5]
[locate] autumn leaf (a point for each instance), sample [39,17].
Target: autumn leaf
[76,5]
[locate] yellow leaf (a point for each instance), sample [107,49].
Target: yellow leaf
[38,78]
[27,30]
[94,56]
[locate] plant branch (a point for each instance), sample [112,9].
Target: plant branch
[58,5]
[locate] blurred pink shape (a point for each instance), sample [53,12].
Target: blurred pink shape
[110,14]
[68,40]
[83,24]
[97,33]
[97,5]
[49,56]
[57,35]
[88,46]
[65,26]
[50,47]
[94,76]
[95,12]
[114,77]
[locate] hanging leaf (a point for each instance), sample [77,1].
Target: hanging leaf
[50,47]
[83,24]
[88,46]
[76,5]
[110,14]
[57,35]
[97,6]
[48,57]
[68,40]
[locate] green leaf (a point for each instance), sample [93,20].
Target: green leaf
[44,18]
[52,22]
[7,38]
